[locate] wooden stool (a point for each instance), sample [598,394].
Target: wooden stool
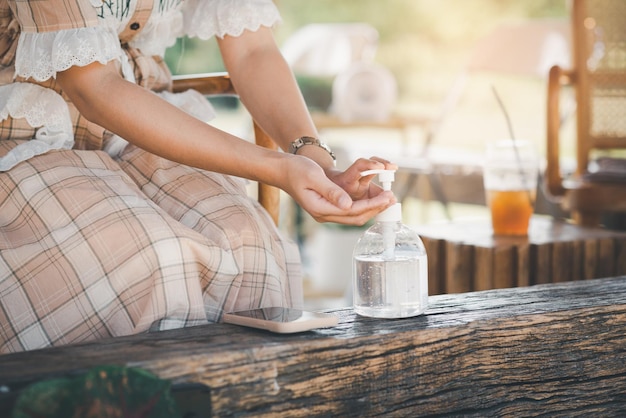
[465,256]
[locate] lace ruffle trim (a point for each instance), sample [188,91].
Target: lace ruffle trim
[204,19]
[42,55]
[159,34]
[42,108]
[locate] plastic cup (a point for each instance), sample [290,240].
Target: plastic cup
[510,177]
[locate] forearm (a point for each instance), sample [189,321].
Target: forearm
[151,123]
[269,91]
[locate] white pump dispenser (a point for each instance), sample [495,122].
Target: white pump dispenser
[390,273]
[390,215]
[386,178]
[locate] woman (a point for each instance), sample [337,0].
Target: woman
[121,210]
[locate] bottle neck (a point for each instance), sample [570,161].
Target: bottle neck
[393,214]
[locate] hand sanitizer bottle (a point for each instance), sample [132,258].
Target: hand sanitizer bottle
[390,269]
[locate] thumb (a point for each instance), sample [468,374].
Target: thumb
[338,197]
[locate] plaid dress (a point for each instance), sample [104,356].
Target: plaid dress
[96,244]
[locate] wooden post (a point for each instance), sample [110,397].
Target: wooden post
[469,257]
[268,196]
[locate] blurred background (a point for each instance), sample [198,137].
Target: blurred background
[421,87]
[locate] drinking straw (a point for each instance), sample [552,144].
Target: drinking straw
[514,141]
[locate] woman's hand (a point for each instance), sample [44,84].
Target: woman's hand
[345,198]
[357,186]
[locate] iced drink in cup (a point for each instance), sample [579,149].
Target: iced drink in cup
[510,178]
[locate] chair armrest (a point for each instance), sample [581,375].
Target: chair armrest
[210,84]
[554,181]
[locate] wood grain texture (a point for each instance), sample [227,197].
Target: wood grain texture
[469,257]
[212,84]
[268,196]
[555,349]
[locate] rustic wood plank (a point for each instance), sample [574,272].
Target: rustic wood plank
[578,259]
[459,267]
[523,265]
[503,267]
[591,258]
[483,268]
[563,260]
[542,254]
[553,251]
[620,257]
[435,265]
[606,258]
[557,350]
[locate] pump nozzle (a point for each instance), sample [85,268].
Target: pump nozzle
[385,177]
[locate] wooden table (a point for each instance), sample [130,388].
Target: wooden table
[555,349]
[464,255]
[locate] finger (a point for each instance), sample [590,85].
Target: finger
[388,164]
[364,164]
[354,220]
[337,197]
[361,211]
[374,204]
[380,164]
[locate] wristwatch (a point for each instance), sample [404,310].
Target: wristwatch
[308,140]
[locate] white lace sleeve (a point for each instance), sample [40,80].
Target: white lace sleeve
[207,18]
[42,55]
[43,109]
[159,33]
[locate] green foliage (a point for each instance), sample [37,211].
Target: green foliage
[105,392]
[192,56]
[316,90]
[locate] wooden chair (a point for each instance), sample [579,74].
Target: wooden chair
[598,76]
[219,84]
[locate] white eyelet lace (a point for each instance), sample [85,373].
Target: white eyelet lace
[42,55]
[42,108]
[205,19]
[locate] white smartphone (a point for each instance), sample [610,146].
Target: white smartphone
[281,320]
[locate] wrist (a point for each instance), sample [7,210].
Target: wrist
[313,148]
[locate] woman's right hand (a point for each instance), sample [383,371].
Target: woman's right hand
[307,183]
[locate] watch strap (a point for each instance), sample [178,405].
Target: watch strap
[309,140]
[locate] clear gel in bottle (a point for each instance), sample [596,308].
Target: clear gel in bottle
[390,268]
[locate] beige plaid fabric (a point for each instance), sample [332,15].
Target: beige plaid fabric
[85,253]
[91,247]
[49,15]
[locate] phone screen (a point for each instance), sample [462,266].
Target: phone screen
[282,320]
